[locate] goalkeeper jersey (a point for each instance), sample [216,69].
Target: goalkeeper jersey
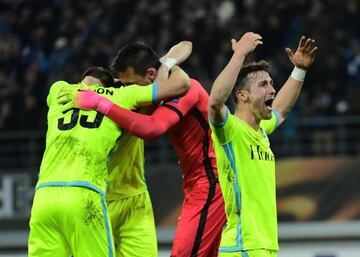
[79,142]
[246,167]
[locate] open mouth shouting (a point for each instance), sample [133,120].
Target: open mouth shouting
[268,104]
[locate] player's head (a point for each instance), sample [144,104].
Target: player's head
[254,89]
[136,63]
[96,75]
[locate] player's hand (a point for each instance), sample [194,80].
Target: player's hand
[180,52]
[304,56]
[247,43]
[66,98]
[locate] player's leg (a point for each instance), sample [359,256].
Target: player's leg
[216,219]
[135,233]
[117,214]
[88,225]
[200,224]
[46,239]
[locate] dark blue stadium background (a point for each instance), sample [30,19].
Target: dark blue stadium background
[44,41]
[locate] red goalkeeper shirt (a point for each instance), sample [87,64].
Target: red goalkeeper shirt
[191,136]
[185,120]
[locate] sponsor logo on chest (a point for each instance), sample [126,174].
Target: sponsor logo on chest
[257,153]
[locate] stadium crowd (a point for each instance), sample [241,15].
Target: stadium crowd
[45,41]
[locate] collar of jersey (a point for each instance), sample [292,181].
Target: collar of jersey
[255,133]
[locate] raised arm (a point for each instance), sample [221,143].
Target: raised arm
[177,82]
[176,85]
[224,83]
[175,56]
[302,59]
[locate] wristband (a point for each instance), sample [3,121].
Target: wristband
[169,62]
[298,74]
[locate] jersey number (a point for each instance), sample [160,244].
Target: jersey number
[83,120]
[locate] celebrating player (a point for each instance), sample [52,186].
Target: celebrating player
[69,213]
[127,196]
[245,161]
[185,120]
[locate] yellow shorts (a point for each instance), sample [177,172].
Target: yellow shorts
[69,220]
[133,225]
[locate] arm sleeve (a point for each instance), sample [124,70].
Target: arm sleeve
[141,125]
[161,120]
[270,125]
[225,131]
[136,96]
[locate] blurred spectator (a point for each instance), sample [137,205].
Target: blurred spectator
[44,41]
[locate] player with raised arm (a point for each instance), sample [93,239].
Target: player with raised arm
[127,196]
[69,213]
[185,120]
[245,161]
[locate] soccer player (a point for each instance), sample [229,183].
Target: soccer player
[127,197]
[69,213]
[245,161]
[185,120]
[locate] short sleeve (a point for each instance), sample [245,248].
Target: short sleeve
[136,96]
[270,125]
[225,131]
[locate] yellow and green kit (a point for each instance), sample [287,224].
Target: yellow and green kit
[69,213]
[129,202]
[246,167]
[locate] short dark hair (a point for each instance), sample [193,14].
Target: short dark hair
[102,74]
[138,56]
[242,79]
